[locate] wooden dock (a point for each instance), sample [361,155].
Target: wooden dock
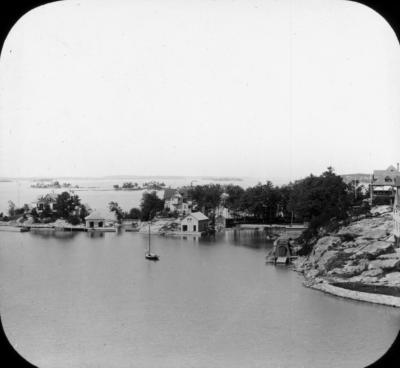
[285,227]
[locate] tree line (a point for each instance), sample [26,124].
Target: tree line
[317,200]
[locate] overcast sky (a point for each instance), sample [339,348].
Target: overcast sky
[269,89]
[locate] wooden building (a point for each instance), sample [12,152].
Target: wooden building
[94,220]
[195,222]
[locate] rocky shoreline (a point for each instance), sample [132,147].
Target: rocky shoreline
[362,255]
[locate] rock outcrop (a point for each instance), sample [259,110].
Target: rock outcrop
[363,252]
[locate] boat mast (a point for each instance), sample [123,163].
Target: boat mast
[149,236]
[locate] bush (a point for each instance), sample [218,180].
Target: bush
[74,220]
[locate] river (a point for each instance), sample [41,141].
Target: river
[84,300]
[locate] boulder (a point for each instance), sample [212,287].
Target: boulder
[389,255]
[392,279]
[375,249]
[391,238]
[324,244]
[374,272]
[376,233]
[350,269]
[364,279]
[331,259]
[350,251]
[311,274]
[385,264]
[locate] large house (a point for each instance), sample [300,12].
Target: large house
[195,222]
[382,186]
[47,201]
[396,212]
[177,200]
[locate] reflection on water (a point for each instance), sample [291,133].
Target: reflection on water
[249,238]
[95,301]
[51,233]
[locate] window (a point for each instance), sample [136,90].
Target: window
[388,179]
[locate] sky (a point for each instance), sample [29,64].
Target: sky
[269,89]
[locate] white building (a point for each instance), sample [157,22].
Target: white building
[47,201]
[94,220]
[195,222]
[175,201]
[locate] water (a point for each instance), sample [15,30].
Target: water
[97,193]
[76,300]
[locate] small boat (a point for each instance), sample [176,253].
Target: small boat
[152,256]
[148,255]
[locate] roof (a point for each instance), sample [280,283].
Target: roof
[49,197]
[198,216]
[385,177]
[95,215]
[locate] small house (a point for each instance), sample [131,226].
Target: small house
[195,222]
[94,220]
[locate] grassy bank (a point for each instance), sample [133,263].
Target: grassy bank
[368,288]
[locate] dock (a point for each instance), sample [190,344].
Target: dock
[284,227]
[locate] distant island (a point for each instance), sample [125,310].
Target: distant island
[151,185]
[54,185]
[223,178]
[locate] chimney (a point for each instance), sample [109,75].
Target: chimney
[397,166]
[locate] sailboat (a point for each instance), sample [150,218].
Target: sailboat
[148,255]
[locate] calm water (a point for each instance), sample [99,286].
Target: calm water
[72,300]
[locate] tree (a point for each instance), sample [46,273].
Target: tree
[235,194]
[150,204]
[134,213]
[84,211]
[67,205]
[261,201]
[207,196]
[319,199]
[114,207]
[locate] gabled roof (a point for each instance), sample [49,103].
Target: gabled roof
[385,177]
[49,197]
[198,216]
[95,215]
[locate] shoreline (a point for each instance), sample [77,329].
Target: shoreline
[359,261]
[324,286]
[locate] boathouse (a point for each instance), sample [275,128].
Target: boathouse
[282,251]
[195,222]
[94,220]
